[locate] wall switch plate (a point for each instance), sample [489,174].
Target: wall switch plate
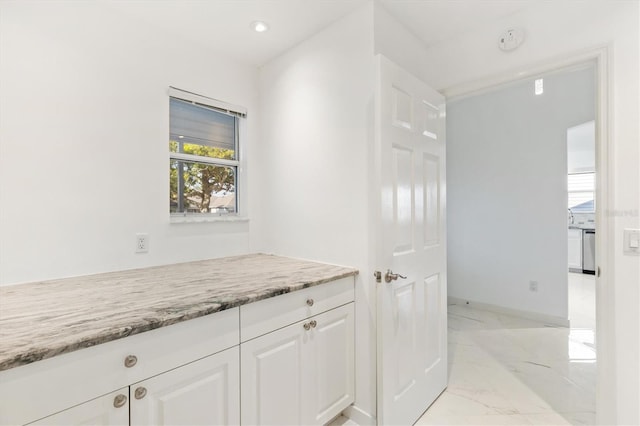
[142,243]
[533,286]
[632,242]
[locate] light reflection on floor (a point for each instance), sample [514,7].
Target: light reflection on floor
[505,370]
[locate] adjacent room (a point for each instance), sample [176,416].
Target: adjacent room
[521,322]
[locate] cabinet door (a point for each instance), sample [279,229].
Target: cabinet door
[330,359]
[575,249]
[204,392]
[110,409]
[272,380]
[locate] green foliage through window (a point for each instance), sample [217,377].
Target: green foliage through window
[202,183]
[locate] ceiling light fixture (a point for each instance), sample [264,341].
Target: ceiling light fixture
[259,26]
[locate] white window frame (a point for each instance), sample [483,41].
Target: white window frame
[223,107]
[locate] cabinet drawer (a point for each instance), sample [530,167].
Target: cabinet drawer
[100,411]
[270,314]
[45,387]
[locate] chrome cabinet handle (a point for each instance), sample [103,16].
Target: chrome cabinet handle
[390,276]
[140,392]
[309,325]
[130,361]
[310,302]
[119,400]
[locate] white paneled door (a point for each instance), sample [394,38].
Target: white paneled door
[412,322]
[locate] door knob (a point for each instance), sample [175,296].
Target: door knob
[140,392]
[119,400]
[390,276]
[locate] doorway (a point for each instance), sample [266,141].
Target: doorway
[581,223]
[498,230]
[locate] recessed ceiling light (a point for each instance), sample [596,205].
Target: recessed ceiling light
[259,26]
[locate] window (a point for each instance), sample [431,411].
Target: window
[581,187]
[203,155]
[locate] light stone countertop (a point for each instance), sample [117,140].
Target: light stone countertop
[587,226]
[44,319]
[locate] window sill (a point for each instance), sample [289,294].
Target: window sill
[206,218]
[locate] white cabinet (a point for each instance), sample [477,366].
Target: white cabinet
[575,250]
[110,409]
[205,349]
[302,373]
[288,359]
[272,382]
[205,392]
[331,365]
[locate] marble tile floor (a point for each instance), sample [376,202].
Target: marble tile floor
[505,370]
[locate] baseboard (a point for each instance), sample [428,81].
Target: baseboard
[359,416]
[535,316]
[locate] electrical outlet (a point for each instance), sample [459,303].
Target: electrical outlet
[142,243]
[533,286]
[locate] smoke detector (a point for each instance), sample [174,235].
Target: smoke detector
[511,39]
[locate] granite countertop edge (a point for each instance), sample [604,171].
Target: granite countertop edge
[179,313]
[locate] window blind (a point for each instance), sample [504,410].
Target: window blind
[581,187]
[199,125]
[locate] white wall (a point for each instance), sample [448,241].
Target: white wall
[315,152]
[581,148]
[83,140]
[317,117]
[95,84]
[556,31]
[393,40]
[507,199]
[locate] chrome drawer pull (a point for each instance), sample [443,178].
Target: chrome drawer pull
[310,302]
[130,361]
[119,400]
[140,392]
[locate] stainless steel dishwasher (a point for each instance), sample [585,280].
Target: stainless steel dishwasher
[589,251]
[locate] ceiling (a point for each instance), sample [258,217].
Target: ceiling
[224,25]
[434,21]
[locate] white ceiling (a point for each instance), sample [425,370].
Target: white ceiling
[224,25]
[435,21]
